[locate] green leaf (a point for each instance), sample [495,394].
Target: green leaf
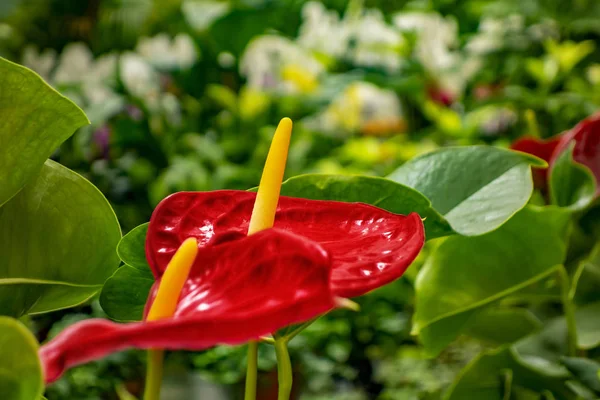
[124,295]
[572,185]
[476,188]
[485,377]
[131,248]
[379,192]
[464,274]
[585,370]
[499,326]
[34,120]
[588,326]
[57,240]
[20,369]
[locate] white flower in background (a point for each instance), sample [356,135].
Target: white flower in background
[171,108]
[140,79]
[200,14]
[77,70]
[436,49]
[322,31]
[376,44]
[493,34]
[361,107]
[74,64]
[361,37]
[41,62]
[437,37]
[544,30]
[274,63]
[167,54]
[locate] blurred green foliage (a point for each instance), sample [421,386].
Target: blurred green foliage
[184,95]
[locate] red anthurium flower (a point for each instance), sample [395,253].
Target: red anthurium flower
[586,136]
[369,247]
[243,287]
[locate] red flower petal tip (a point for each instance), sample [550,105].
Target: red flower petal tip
[539,148]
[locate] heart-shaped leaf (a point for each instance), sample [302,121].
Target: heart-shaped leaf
[572,185]
[34,120]
[124,294]
[379,192]
[57,240]
[466,273]
[21,372]
[476,188]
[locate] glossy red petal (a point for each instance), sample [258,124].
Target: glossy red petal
[586,135]
[539,148]
[369,246]
[236,292]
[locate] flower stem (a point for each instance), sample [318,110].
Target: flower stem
[569,311]
[251,371]
[154,374]
[284,369]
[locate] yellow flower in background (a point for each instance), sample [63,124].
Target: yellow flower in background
[302,78]
[361,108]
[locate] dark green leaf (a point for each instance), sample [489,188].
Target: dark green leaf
[482,378]
[466,273]
[499,326]
[588,326]
[131,248]
[475,188]
[34,120]
[125,293]
[57,240]
[20,369]
[585,370]
[572,185]
[379,192]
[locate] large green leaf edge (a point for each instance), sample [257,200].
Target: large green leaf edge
[34,120]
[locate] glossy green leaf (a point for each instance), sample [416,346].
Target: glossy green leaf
[585,370]
[379,192]
[34,120]
[484,377]
[124,295]
[20,369]
[57,240]
[498,326]
[476,188]
[572,185]
[466,273]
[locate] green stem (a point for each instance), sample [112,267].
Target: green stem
[569,310]
[154,372]
[251,371]
[284,369]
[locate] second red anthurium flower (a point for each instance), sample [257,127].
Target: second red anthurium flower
[586,150]
[243,287]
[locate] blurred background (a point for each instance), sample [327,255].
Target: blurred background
[185,95]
